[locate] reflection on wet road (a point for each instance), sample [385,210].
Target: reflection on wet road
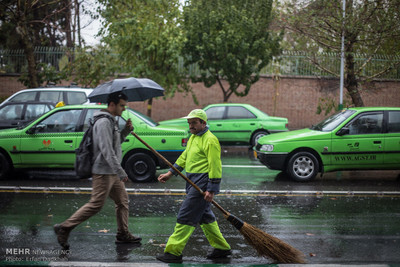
[344,218]
[329,228]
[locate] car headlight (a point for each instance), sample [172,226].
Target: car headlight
[267,147]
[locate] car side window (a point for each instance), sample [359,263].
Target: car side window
[89,115]
[215,113]
[59,122]
[76,98]
[12,112]
[366,124]
[35,110]
[22,97]
[51,96]
[239,113]
[394,122]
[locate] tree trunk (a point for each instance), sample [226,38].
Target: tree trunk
[67,27]
[30,56]
[27,44]
[149,107]
[351,82]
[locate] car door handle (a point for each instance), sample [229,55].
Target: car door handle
[68,141]
[377,142]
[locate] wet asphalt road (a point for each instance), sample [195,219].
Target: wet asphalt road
[342,218]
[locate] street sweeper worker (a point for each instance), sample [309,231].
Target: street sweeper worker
[202,162]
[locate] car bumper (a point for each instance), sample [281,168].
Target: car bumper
[274,161]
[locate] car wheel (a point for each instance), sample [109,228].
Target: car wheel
[303,167]
[4,166]
[257,136]
[140,168]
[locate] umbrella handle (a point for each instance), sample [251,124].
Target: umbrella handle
[179,172]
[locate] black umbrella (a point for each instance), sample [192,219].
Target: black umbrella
[137,89]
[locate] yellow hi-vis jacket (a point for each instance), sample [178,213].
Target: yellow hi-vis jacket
[202,156]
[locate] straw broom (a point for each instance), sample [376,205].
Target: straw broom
[266,245]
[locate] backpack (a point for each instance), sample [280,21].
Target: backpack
[84,153]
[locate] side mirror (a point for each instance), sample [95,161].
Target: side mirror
[36,128]
[31,130]
[343,131]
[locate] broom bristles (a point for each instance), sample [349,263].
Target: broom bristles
[269,246]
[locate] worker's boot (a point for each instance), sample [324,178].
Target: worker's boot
[176,243]
[218,254]
[221,248]
[169,258]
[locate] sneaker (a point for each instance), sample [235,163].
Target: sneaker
[219,253]
[169,258]
[127,238]
[62,235]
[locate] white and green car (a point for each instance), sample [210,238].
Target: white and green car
[365,138]
[50,141]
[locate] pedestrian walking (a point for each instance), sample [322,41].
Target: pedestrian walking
[202,161]
[108,177]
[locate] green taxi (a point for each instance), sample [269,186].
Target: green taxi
[237,124]
[366,138]
[50,141]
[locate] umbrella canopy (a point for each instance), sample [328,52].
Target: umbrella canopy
[137,89]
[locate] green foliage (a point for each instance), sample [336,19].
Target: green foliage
[368,27]
[92,65]
[229,40]
[147,36]
[45,21]
[45,74]
[329,105]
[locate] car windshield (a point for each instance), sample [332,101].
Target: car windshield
[149,121]
[333,121]
[23,124]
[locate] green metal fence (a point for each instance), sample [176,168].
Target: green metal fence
[290,63]
[14,61]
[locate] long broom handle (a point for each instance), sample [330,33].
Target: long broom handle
[180,173]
